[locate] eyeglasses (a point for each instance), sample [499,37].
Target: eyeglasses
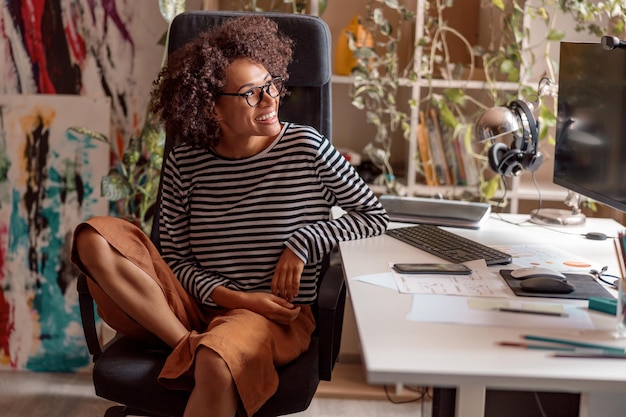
[253,96]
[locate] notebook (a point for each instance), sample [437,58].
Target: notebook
[439,212]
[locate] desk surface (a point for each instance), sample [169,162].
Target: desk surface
[396,350]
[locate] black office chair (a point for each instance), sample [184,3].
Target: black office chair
[125,370]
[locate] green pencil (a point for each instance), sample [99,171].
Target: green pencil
[569,349]
[608,349]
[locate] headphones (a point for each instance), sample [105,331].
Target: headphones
[523,154]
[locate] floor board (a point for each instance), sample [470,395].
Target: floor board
[35,394]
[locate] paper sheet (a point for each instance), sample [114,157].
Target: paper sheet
[525,256]
[463,310]
[481,283]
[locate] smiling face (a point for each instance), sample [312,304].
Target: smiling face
[246,130]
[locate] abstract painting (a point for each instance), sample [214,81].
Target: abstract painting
[49,182]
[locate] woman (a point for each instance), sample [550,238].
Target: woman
[244,225]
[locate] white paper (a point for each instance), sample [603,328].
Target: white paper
[464,310]
[384,280]
[544,256]
[480,283]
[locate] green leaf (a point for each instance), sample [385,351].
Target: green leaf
[455,95]
[489,188]
[555,35]
[88,132]
[115,187]
[132,154]
[498,3]
[447,117]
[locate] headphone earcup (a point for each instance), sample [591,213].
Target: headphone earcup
[503,160]
[495,155]
[532,161]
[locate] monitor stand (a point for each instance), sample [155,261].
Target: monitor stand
[557,217]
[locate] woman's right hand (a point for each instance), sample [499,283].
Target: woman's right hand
[271,306]
[268,305]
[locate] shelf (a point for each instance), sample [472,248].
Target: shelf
[549,192]
[438,83]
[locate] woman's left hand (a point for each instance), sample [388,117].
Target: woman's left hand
[286,280]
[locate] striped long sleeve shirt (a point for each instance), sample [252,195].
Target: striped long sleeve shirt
[226,222]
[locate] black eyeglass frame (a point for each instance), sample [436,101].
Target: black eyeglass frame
[265,88]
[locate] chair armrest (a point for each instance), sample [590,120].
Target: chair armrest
[331,304]
[87,316]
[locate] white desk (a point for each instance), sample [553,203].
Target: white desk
[396,350]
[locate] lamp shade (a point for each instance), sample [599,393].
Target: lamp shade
[495,122]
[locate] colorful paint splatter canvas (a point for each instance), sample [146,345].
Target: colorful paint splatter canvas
[49,182]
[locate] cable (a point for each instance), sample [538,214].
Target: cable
[498,214]
[424,394]
[539,198]
[599,275]
[543,413]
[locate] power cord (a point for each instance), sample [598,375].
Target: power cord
[538,400]
[423,395]
[529,222]
[599,275]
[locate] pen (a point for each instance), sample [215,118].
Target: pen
[528,311]
[557,348]
[610,355]
[607,349]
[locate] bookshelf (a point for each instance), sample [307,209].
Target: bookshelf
[519,188]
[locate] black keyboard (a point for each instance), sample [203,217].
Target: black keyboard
[447,245]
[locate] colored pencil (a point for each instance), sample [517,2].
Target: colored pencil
[547,347]
[574,343]
[590,355]
[529,311]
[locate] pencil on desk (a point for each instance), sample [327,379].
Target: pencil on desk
[530,311]
[574,343]
[619,252]
[610,355]
[547,347]
[620,329]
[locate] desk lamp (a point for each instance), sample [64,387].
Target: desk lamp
[517,120]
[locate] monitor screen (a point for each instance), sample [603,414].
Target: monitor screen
[590,151]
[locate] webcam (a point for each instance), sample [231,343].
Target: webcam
[611,42]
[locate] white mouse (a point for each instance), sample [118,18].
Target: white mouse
[533,271]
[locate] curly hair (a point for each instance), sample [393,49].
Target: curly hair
[184,93]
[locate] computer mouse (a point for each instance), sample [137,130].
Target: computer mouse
[596,236]
[535,271]
[547,285]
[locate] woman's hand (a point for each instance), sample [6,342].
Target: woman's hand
[268,305]
[273,307]
[286,280]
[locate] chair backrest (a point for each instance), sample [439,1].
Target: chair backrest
[309,99]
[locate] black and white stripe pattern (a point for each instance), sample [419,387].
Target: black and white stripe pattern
[226,222]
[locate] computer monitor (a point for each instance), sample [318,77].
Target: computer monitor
[590,151]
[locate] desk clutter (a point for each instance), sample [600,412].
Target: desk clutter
[585,286]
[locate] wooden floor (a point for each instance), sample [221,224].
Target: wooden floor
[30,394]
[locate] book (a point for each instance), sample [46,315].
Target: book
[423,149]
[438,154]
[460,163]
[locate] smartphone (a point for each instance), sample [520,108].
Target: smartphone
[444,269]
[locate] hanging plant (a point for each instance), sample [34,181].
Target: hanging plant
[376,80]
